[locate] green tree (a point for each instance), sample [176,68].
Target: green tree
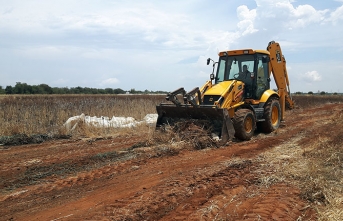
[109,90]
[46,89]
[310,92]
[56,90]
[22,88]
[76,90]
[9,90]
[2,91]
[322,93]
[86,90]
[118,91]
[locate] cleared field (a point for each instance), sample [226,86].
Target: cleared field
[138,174]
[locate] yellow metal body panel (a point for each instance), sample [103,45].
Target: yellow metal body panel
[242,51]
[232,93]
[262,52]
[218,89]
[266,95]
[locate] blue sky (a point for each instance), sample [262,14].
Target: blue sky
[163,45]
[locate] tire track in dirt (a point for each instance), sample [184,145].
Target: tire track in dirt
[59,150]
[31,164]
[289,207]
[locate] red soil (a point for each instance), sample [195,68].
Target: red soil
[106,180]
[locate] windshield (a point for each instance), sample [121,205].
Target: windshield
[231,67]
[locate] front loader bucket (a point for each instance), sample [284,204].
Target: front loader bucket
[218,118]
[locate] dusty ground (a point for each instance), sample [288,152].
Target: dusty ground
[114,179]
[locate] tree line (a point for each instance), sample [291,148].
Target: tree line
[23,88]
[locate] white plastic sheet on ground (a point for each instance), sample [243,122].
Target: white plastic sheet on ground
[115,122]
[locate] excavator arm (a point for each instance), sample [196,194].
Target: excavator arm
[277,66]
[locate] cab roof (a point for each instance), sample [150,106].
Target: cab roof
[242,51]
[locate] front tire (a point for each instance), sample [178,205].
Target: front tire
[244,123]
[272,116]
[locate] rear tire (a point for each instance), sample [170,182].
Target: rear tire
[272,116]
[244,123]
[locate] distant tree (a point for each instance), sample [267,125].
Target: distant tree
[60,90]
[22,88]
[85,90]
[45,89]
[322,93]
[298,92]
[9,90]
[76,90]
[119,91]
[17,89]
[35,89]
[95,91]
[101,91]
[161,92]
[109,90]
[335,93]
[57,90]
[310,92]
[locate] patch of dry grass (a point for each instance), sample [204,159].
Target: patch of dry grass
[306,101]
[171,142]
[45,114]
[323,181]
[184,135]
[314,163]
[27,116]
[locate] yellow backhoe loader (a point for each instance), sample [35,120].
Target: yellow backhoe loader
[239,99]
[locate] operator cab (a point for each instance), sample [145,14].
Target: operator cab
[246,66]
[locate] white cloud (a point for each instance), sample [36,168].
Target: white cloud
[278,15]
[109,82]
[61,81]
[306,14]
[246,17]
[146,40]
[42,52]
[311,76]
[139,22]
[336,16]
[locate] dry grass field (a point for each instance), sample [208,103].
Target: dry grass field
[45,114]
[295,173]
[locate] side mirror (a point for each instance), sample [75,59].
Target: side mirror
[212,77]
[208,61]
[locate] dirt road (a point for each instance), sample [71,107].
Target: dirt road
[116,179]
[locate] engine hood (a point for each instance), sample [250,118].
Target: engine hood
[219,88]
